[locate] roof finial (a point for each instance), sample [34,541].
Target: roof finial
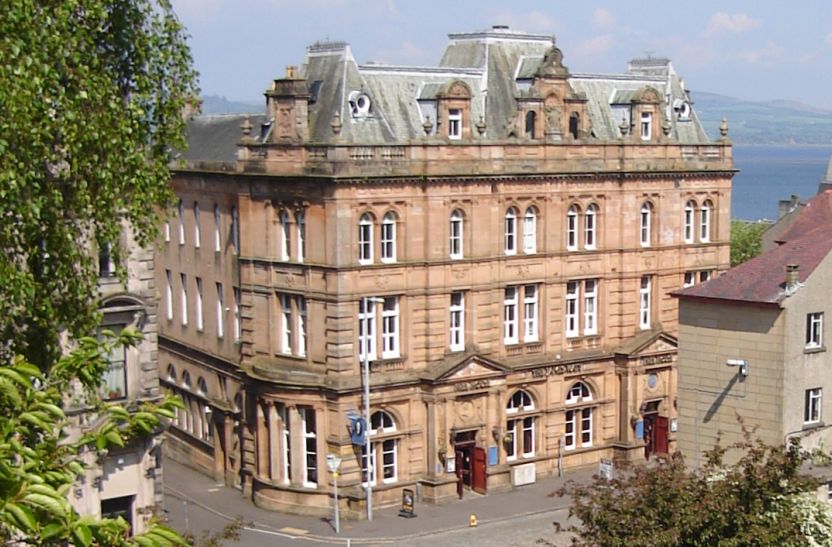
[427,125]
[624,126]
[723,128]
[336,123]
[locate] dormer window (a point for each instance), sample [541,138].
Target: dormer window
[454,123]
[531,119]
[646,125]
[360,105]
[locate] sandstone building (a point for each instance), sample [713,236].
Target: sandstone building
[495,235]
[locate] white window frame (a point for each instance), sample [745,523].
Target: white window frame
[390,331]
[520,401]
[690,209]
[365,239]
[590,306]
[579,392]
[286,434]
[456,232]
[528,425]
[284,236]
[812,406]
[571,326]
[510,231]
[220,312]
[197,228]
[200,319]
[646,126]
[300,229]
[705,222]
[455,123]
[645,223]
[457,321]
[591,227]
[286,345]
[570,423]
[530,314]
[689,280]
[217,229]
[388,238]
[510,316]
[366,321]
[302,325]
[530,231]
[169,294]
[704,275]
[238,323]
[645,301]
[814,330]
[586,427]
[235,230]
[309,434]
[181,222]
[166,231]
[183,298]
[572,228]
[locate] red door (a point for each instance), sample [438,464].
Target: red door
[478,477]
[660,435]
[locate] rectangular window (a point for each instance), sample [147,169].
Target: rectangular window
[457,321]
[704,276]
[301,232]
[197,230]
[168,295]
[238,323]
[454,123]
[510,233]
[572,229]
[106,261]
[181,222]
[310,447]
[235,231]
[183,300]
[571,318]
[368,463]
[530,232]
[812,407]
[456,235]
[689,223]
[569,430]
[390,328]
[814,330]
[114,380]
[366,330]
[365,240]
[284,236]
[705,223]
[530,322]
[590,306]
[286,460]
[586,427]
[301,302]
[646,126]
[217,229]
[644,312]
[166,231]
[388,460]
[528,436]
[690,279]
[286,324]
[388,239]
[510,316]
[199,319]
[511,445]
[220,312]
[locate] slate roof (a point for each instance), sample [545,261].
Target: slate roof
[762,279]
[214,138]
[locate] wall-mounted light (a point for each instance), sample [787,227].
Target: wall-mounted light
[742,363]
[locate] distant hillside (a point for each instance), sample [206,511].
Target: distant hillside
[764,122]
[749,122]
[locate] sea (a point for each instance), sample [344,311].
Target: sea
[768,174]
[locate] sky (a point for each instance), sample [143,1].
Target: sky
[754,50]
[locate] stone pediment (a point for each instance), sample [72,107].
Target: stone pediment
[648,343]
[469,367]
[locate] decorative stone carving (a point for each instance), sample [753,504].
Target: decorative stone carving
[552,64]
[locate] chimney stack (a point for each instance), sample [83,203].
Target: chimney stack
[791,276]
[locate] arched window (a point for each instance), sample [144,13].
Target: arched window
[510,232]
[645,224]
[284,236]
[705,222]
[365,239]
[455,241]
[590,225]
[530,230]
[690,207]
[572,228]
[197,230]
[217,229]
[171,374]
[574,124]
[578,423]
[186,380]
[201,386]
[531,119]
[300,226]
[388,237]
[383,458]
[181,222]
[520,431]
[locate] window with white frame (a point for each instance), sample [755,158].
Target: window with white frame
[235,231]
[366,330]
[114,379]
[284,237]
[645,224]
[578,423]
[388,237]
[690,279]
[455,241]
[309,447]
[574,303]
[814,330]
[510,316]
[181,222]
[520,429]
[382,425]
[168,294]
[457,321]
[217,229]
[812,406]
[197,228]
[644,299]
[286,443]
[183,298]
[646,126]
[704,275]
[572,228]
[106,261]
[590,227]
[510,232]
[454,123]
[705,222]
[690,207]
[293,322]
[300,228]
[530,314]
[365,239]
[286,324]
[238,323]
[220,312]
[530,231]
[390,328]
[200,322]
[166,231]
[590,306]
[300,304]
[571,316]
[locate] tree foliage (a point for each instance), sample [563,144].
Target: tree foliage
[762,499]
[91,100]
[746,240]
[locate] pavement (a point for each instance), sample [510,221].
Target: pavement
[196,503]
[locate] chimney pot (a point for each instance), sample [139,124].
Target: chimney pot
[792,271]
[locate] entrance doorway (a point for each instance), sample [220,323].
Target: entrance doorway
[655,434]
[470,464]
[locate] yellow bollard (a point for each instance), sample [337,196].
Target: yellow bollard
[472,520]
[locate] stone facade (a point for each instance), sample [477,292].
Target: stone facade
[518,251]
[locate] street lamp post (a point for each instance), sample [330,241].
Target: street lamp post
[333,462]
[365,350]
